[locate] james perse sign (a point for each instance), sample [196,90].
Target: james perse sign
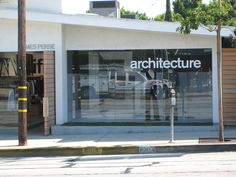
[40,46]
[159,63]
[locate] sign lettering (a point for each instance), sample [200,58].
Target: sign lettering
[159,63]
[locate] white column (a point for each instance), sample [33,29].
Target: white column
[61,81]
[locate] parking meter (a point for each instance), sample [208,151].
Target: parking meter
[173,99]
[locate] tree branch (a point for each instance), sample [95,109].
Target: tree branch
[209,28]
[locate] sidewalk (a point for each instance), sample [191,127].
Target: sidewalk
[117,143]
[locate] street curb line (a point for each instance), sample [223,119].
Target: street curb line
[112,150]
[67,151]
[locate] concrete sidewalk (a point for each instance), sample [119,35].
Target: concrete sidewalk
[117,143]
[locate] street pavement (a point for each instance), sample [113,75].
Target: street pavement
[117,143]
[220,164]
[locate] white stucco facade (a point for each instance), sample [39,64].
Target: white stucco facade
[83,32]
[89,38]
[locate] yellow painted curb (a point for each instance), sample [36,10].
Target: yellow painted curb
[68,151]
[109,150]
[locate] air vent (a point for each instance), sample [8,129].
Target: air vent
[105,8]
[104,4]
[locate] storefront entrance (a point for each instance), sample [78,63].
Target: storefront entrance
[40,78]
[229,86]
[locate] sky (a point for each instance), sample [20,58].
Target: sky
[150,7]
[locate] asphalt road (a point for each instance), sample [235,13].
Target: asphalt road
[166,165]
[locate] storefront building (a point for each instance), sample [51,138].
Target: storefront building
[102,69]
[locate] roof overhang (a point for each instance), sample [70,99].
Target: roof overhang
[104,22]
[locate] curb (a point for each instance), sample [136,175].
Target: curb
[87,130]
[114,150]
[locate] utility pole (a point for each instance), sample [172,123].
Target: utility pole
[220,77]
[22,87]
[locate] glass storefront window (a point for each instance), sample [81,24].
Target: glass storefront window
[134,85]
[8,91]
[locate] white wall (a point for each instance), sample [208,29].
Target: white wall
[61,82]
[8,37]
[87,38]
[104,38]
[37,33]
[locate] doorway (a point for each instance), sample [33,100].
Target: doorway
[35,80]
[41,80]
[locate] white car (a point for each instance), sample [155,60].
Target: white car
[123,82]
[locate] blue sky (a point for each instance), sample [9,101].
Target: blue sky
[150,7]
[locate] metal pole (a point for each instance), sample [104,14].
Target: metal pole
[22,88]
[173,103]
[172,125]
[220,78]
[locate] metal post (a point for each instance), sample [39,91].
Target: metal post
[220,78]
[22,88]
[173,103]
